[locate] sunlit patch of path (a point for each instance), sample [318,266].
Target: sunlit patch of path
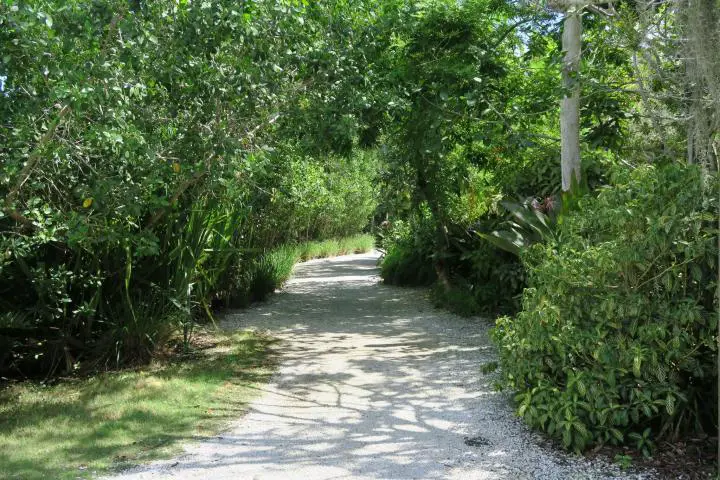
[373,384]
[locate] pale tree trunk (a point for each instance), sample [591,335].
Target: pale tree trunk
[570,105]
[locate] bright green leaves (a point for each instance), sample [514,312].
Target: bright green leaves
[630,355]
[46,18]
[173,158]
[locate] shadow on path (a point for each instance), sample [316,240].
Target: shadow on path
[374,384]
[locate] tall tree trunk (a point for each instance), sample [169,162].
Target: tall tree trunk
[570,105]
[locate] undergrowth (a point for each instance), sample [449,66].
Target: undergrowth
[615,343]
[272,269]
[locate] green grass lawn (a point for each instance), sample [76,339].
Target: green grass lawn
[81,427]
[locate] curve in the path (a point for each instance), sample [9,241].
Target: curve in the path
[373,384]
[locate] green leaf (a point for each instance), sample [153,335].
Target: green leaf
[617,434]
[637,363]
[670,405]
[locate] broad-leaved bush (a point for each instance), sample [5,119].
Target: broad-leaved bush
[615,343]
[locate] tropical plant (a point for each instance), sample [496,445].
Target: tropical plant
[616,339]
[533,222]
[144,148]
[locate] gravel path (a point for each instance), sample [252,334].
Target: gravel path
[374,384]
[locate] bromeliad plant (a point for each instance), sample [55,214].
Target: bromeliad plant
[532,222]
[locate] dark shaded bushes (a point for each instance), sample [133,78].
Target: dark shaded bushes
[408,253]
[406,266]
[483,278]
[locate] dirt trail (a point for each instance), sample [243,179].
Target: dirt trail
[373,384]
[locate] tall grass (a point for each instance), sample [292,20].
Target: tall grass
[271,271]
[282,260]
[259,277]
[329,248]
[357,244]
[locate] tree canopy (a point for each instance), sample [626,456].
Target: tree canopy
[163,159]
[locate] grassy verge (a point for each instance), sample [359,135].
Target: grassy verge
[82,427]
[331,248]
[273,268]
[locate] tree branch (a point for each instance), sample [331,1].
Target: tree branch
[27,170]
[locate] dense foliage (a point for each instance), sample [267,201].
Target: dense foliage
[151,151]
[616,334]
[614,283]
[480,126]
[161,159]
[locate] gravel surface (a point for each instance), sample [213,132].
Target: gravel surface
[373,383]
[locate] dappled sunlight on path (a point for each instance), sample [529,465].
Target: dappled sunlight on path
[373,384]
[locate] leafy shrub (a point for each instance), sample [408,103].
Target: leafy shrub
[496,277]
[483,278]
[616,339]
[408,253]
[457,298]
